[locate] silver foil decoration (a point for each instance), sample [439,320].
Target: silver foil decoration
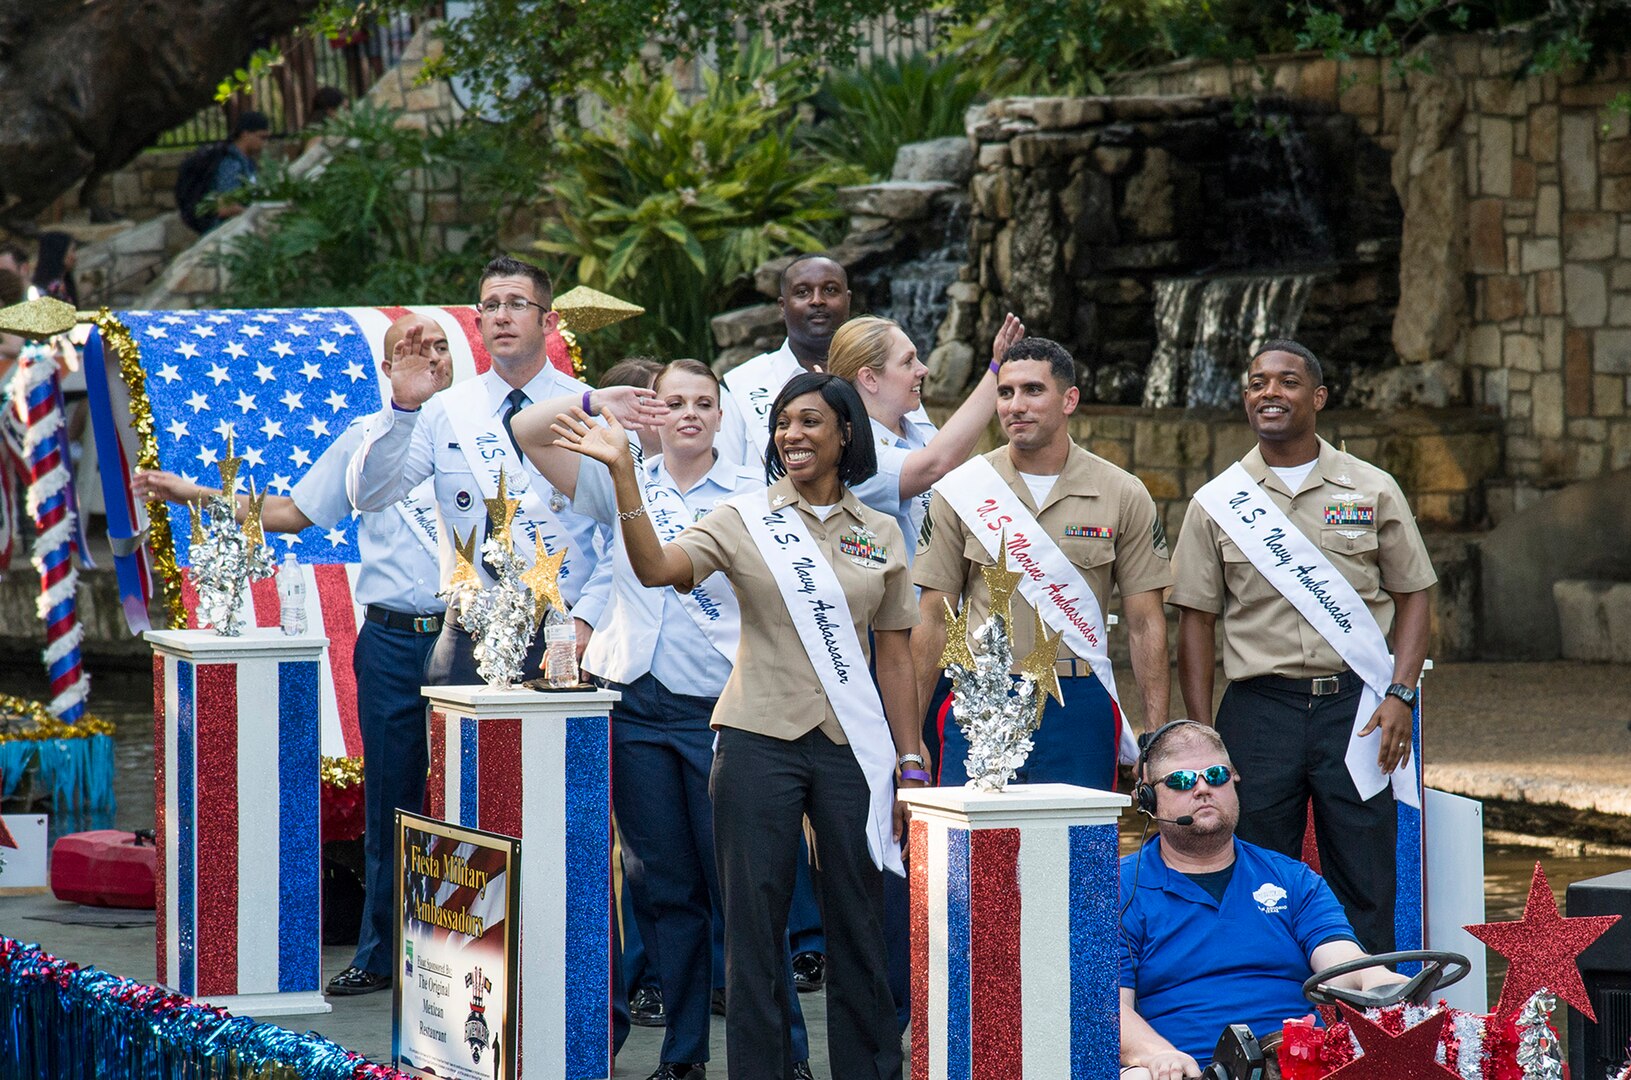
[997,713]
[500,617]
[224,560]
[1539,1055]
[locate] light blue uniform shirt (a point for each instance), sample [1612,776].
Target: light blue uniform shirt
[882,490]
[626,647]
[402,448]
[398,571]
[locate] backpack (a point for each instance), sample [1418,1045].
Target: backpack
[194,180]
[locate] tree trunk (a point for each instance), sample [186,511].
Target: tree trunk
[86,86]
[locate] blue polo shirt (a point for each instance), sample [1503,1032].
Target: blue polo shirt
[1197,965]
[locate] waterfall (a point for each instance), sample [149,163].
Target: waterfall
[914,292]
[1206,328]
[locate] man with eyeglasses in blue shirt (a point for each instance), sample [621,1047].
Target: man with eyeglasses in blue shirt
[1214,931]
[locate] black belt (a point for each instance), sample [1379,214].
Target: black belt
[1324,686]
[397,620]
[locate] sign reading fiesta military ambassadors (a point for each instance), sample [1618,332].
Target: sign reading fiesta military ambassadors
[458,977]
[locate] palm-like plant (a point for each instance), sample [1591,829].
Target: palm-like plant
[672,204]
[865,114]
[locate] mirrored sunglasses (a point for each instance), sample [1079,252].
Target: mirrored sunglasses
[1184,779]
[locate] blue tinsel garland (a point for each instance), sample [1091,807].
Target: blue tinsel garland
[61,1021]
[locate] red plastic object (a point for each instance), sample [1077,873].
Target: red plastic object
[103,868]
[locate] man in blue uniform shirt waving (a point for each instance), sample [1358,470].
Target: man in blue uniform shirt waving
[1215,931]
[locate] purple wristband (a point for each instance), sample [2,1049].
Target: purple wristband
[995,364]
[586,407]
[916,774]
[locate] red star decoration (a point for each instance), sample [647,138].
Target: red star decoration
[1408,1055]
[1541,948]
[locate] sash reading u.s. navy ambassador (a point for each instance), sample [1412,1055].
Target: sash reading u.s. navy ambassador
[1312,556]
[460,438]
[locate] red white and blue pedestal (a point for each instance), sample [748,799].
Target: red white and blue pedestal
[237,750]
[537,766]
[1015,949]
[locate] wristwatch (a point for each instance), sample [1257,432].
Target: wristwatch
[910,759]
[1406,694]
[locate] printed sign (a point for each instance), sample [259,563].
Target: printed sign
[458,975]
[22,853]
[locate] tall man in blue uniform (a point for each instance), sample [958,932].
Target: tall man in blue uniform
[401,617]
[1214,931]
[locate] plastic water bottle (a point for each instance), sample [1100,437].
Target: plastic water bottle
[560,649]
[291,594]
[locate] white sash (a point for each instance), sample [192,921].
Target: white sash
[710,603]
[1050,582]
[754,397]
[486,446]
[821,612]
[419,511]
[1301,573]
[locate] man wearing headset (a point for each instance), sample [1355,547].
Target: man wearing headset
[1214,931]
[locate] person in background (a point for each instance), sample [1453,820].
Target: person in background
[54,270]
[239,167]
[15,258]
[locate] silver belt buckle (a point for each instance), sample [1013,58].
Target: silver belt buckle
[427,624]
[1326,685]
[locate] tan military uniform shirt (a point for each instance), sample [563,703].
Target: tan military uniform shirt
[773,688]
[1357,515]
[1100,516]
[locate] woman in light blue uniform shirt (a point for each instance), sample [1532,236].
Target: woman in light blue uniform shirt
[881,362]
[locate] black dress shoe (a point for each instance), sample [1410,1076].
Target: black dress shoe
[354,980]
[716,1002]
[646,1008]
[674,1070]
[801,1071]
[809,972]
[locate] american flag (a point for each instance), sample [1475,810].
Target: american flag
[283,384]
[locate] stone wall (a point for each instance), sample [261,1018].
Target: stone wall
[1515,265]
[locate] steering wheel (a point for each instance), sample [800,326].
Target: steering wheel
[1438,969]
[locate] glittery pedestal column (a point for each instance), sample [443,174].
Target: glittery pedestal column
[237,753]
[560,806]
[1014,938]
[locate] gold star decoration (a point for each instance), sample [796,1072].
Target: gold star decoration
[501,512]
[587,310]
[229,468]
[195,512]
[1040,665]
[464,561]
[957,651]
[253,532]
[1001,581]
[543,578]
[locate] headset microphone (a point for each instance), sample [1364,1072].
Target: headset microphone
[1184,819]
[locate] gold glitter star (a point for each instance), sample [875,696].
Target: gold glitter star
[464,561]
[195,512]
[501,512]
[253,532]
[1039,664]
[957,651]
[1001,581]
[229,468]
[543,578]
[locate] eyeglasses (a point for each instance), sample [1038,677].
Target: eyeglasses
[1184,779]
[516,306]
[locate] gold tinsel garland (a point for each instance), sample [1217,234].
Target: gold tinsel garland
[342,772]
[116,336]
[573,349]
[46,726]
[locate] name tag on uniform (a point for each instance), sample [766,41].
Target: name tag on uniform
[1090,532]
[1350,511]
[861,547]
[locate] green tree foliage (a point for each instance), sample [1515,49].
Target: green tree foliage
[360,229]
[865,114]
[672,203]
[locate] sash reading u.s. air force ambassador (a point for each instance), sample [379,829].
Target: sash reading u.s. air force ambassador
[460,438]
